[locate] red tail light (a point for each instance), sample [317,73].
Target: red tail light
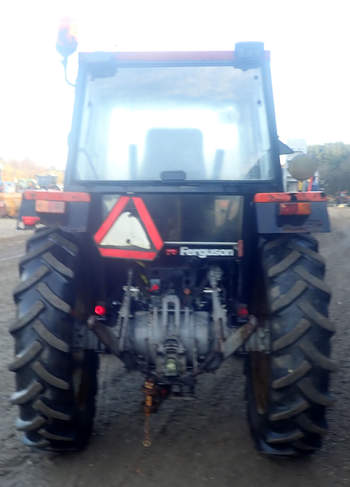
[100,310]
[30,220]
[154,288]
[242,311]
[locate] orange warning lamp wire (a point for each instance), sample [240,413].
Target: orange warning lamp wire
[67,41]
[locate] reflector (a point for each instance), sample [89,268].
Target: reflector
[43,206]
[294,209]
[129,232]
[57,196]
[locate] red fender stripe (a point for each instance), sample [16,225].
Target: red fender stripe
[56,196]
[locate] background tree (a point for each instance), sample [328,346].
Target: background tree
[333,165]
[14,170]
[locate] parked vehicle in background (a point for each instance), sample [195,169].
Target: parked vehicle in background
[10,199]
[47,181]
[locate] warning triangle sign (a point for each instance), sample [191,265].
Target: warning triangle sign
[129,232]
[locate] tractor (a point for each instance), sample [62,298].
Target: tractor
[174,247]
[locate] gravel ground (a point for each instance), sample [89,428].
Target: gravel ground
[204,442]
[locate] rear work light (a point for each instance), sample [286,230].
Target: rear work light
[294,209]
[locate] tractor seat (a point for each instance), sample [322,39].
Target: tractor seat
[173,150]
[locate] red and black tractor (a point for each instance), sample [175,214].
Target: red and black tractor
[173,246]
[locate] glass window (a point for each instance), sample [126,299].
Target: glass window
[192,123]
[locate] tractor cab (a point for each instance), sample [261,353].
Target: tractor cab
[158,118]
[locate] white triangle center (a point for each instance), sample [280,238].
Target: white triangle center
[126,231]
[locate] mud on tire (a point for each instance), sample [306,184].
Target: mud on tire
[55,387]
[288,389]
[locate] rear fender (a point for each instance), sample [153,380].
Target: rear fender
[50,208]
[270,220]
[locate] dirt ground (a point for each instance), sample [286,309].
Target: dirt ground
[204,442]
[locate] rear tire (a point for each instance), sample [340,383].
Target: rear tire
[288,389]
[55,386]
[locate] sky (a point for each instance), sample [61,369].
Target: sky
[310,61]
